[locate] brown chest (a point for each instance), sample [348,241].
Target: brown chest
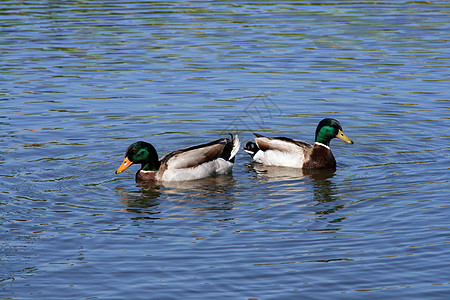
[320,157]
[145,176]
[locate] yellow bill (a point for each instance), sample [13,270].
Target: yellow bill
[341,135]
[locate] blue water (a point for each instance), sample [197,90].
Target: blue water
[81,80]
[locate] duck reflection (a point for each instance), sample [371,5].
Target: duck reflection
[323,187]
[275,173]
[207,194]
[326,199]
[320,179]
[212,193]
[139,201]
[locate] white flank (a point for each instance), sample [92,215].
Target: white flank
[280,158]
[280,153]
[216,167]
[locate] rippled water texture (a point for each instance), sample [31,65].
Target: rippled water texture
[81,80]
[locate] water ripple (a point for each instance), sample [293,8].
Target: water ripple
[83,80]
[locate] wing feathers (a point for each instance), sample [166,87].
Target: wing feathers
[281,144]
[196,155]
[236,145]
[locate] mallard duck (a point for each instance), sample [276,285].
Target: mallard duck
[286,152]
[195,162]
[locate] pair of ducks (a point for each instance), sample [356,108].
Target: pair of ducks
[217,157]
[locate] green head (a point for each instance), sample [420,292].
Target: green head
[140,153]
[328,129]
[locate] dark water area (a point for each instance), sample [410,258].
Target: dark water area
[81,80]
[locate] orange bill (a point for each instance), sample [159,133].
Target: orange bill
[125,164]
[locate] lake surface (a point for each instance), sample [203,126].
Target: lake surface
[81,80]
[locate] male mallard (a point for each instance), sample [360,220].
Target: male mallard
[195,162]
[287,152]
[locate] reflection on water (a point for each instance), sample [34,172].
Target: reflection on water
[213,193]
[323,187]
[320,179]
[325,197]
[146,198]
[275,173]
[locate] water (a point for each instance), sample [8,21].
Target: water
[80,81]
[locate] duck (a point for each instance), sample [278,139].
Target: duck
[287,152]
[191,163]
